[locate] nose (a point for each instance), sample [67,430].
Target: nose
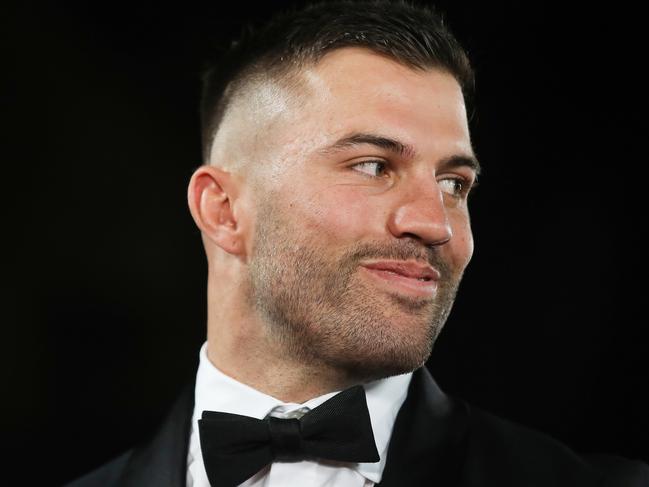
[421,214]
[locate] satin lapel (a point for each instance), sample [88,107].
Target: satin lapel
[163,461]
[428,441]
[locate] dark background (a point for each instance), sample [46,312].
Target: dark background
[104,277]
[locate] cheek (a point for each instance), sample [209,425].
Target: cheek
[462,241]
[339,212]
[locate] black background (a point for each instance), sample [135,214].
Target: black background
[104,300]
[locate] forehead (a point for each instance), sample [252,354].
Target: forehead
[355,90]
[362,75]
[348,91]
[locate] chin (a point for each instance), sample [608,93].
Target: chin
[394,352]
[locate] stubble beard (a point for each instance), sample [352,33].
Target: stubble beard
[319,311]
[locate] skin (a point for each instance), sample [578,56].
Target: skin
[289,220]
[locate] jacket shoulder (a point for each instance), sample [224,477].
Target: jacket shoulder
[517,455]
[623,472]
[160,461]
[107,475]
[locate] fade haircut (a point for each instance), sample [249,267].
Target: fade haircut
[412,35]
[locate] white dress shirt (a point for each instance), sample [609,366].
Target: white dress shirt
[216,391]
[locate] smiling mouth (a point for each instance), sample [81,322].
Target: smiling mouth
[403,277]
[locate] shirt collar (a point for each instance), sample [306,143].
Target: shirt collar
[216,391]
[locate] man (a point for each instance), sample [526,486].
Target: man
[333,208]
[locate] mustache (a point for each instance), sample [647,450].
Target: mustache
[400,250]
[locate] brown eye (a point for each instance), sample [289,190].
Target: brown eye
[452,186]
[371,168]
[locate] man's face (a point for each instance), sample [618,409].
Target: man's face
[362,229]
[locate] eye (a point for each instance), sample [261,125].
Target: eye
[453,186]
[371,168]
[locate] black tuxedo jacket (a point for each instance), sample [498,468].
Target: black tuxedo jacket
[437,441]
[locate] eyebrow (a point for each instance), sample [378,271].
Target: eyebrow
[379,141]
[399,148]
[462,161]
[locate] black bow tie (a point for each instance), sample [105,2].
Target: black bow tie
[237,447]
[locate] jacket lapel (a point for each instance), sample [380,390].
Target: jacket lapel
[428,439]
[163,461]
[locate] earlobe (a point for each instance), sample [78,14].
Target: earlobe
[210,195]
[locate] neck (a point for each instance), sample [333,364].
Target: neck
[239,345]
[291,383]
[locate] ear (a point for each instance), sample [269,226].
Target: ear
[210,195]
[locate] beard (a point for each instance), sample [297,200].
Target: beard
[322,312]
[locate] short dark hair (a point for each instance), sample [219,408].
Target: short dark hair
[415,36]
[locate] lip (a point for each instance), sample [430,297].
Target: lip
[404,277]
